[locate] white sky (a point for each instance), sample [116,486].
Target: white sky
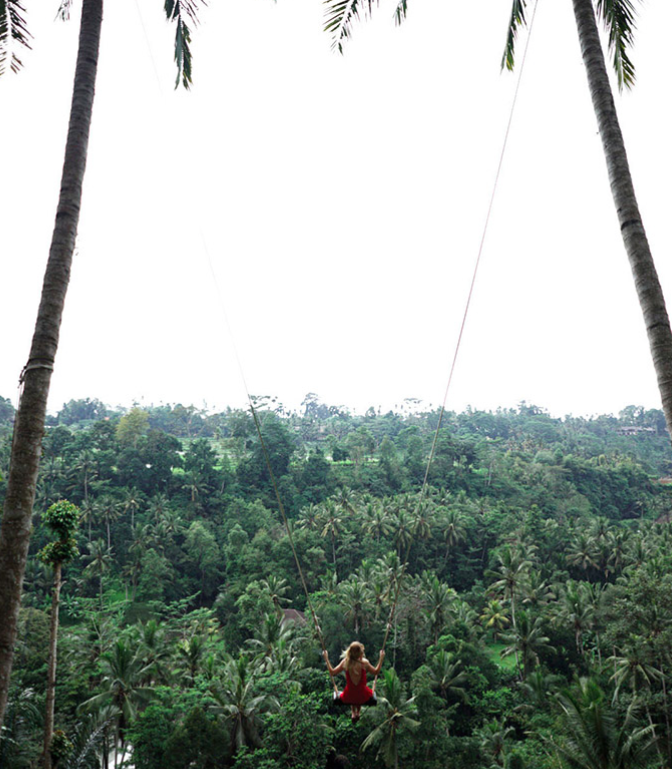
[340,201]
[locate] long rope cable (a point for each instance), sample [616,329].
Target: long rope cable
[423,489]
[458,345]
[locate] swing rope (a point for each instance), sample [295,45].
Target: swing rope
[289,533]
[423,489]
[432,453]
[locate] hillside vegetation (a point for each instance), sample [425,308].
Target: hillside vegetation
[533,626]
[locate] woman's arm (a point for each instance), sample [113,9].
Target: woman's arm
[378,667]
[337,669]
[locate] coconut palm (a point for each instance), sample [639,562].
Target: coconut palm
[354,596]
[511,571]
[437,597]
[575,610]
[100,562]
[36,374]
[238,704]
[190,650]
[446,675]
[618,17]
[131,499]
[109,510]
[84,471]
[494,617]
[593,736]
[378,524]
[453,529]
[272,631]
[309,518]
[122,684]
[392,717]
[493,737]
[526,640]
[276,588]
[631,669]
[423,520]
[403,531]
[332,525]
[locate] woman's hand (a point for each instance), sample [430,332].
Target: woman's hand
[382,655]
[325,654]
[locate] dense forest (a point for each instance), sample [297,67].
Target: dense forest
[531,583]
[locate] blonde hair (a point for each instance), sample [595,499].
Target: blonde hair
[354,653]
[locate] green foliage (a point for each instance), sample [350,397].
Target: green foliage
[63,519]
[59,551]
[132,426]
[61,747]
[535,533]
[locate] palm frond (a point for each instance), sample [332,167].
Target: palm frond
[339,16]
[618,16]
[63,12]
[401,12]
[183,13]
[14,34]
[517,20]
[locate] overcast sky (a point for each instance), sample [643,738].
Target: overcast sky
[332,206]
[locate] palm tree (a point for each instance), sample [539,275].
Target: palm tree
[309,518]
[355,598]
[100,562]
[276,588]
[84,471]
[423,518]
[109,510]
[583,552]
[438,598]
[446,675]
[131,499]
[377,524]
[575,610]
[238,704]
[271,633]
[454,530]
[618,18]
[393,714]
[123,689]
[630,668]
[191,650]
[331,525]
[511,571]
[493,736]
[36,374]
[403,531]
[527,640]
[494,617]
[593,737]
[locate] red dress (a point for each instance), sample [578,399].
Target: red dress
[356,694]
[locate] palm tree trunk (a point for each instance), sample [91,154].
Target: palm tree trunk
[36,376]
[647,285]
[51,669]
[667,715]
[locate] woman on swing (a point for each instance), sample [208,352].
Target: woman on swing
[356,666]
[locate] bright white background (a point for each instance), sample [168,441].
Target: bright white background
[340,201]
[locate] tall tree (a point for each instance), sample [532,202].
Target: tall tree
[36,374]
[63,519]
[618,17]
